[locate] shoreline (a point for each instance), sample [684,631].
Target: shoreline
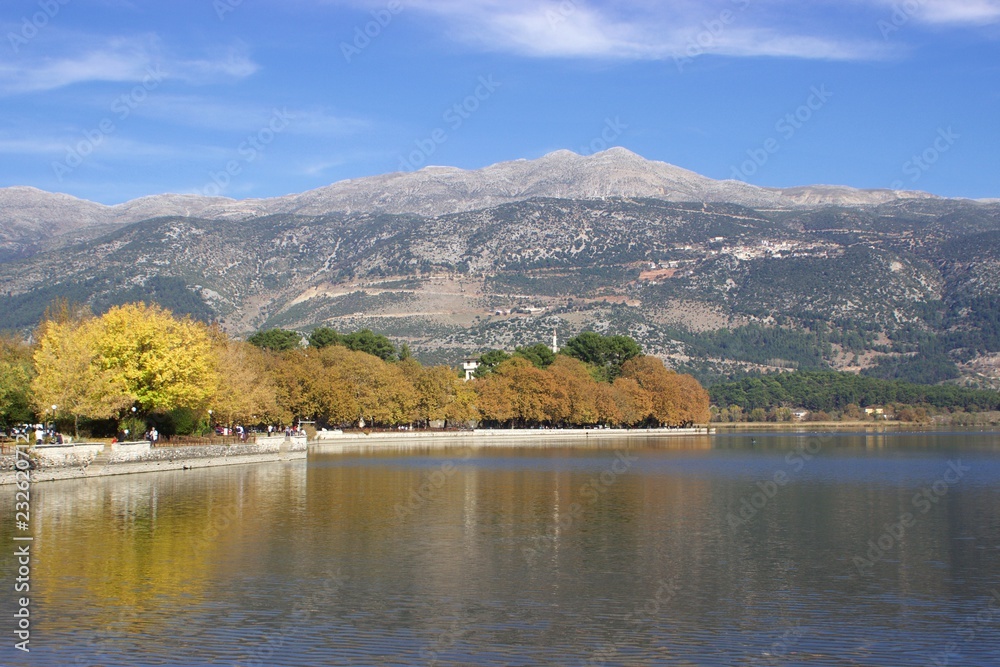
[85,460]
[137,467]
[332,443]
[353,441]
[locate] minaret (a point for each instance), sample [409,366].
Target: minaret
[555,341]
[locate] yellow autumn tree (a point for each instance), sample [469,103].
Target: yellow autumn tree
[440,394]
[384,395]
[161,361]
[70,375]
[245,392]
[462,408]
[295,387]
[16,373]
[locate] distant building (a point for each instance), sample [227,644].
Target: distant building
[470,366]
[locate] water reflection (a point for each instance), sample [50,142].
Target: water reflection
[622,553]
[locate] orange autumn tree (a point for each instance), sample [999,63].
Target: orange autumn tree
[570,391]
[676,400]
[576,393]
[517,393]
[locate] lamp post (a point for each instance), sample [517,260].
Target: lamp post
[54,408]
[211,430]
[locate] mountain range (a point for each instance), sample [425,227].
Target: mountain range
[29,218]
[717,277]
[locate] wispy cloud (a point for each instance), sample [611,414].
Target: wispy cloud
[110,146]
[121,60]
[639,30]
[216,113]
[31,146]
[953,12]
[656,30]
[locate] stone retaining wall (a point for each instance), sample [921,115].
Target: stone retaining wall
[86,460]
[493,437]
[72,454]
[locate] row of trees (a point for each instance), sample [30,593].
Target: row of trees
[832,391]
[644,393]
[141,360]
[280,340]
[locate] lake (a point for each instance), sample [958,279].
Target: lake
[770,549]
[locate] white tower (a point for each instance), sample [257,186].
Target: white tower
[555,341]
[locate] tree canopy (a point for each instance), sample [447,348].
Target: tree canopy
[367,341]
[607,353]
[275,340]
[539,354]
[828,390]
[16,373]
[173,370]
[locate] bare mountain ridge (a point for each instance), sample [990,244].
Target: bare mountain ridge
[29,217]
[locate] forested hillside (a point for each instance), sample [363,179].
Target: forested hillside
[903,290]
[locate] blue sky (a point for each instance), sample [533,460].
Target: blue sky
[115,99]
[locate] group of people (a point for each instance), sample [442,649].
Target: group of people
[42,434]
[152,435]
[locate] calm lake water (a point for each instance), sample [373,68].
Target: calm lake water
[823,549]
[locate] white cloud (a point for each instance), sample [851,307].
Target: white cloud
[237,116]
[232,63]
[952,12]
[641,29]
[123,60]
[320,123]
[31,146]
[661,30]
